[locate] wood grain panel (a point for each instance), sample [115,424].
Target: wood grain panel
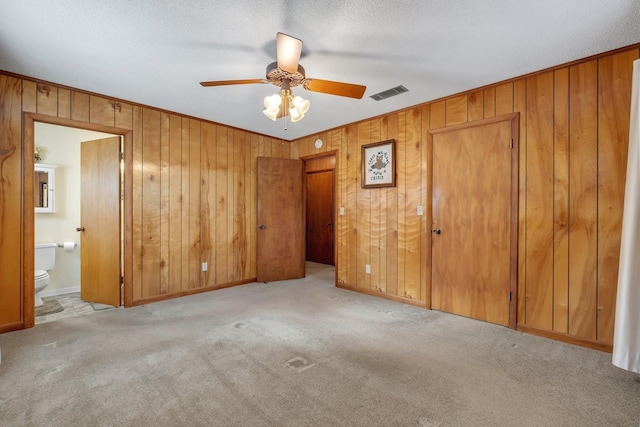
[47,99]
[561,200]
[425,201]
[101,111]
[401,185]
[456,110]
[240,257]
[249,206]
[175,204]
[504,99]
[185,245]
[392,218]
[489,102]
[222,207]
[353,186]
[539,216]
[195,173]
[123,115]
[10,192]
[340,139]
[254,202]
[382,220]
[79,106]
[29,96]
[363,216]
[520,106]
[413,161]
[438,115]
[150,200]
[207,201]
[614,100]
[136,229]
[64,104]
[165,242]
[231,205]
[375,226]
[583,186]
[475,107]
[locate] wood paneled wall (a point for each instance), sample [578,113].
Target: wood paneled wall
[191,190]
[574,123]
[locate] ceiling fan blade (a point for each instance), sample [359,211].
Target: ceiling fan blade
[288,50]
[335,88]
[233,82]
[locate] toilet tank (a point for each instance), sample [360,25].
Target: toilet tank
[45,256]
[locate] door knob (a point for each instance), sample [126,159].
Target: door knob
[80,229]
[436,231]
[261,227]
[329,224]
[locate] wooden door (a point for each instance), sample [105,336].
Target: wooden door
[319,214]
[100,217]
[280,241]
[474,209]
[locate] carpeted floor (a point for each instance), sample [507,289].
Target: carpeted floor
[302,353]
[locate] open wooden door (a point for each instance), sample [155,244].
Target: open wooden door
[100,216]
[319,214]
[474,220]
[281,228]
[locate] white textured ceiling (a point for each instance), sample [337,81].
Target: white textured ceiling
[155,52]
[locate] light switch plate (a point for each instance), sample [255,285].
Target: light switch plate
[367,269]
[205,266]
[341,210]
[420,211]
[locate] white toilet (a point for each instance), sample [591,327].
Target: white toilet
[45,259]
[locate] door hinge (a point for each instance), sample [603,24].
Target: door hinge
[509,295]
[121,155]
[122,280]
[511,144]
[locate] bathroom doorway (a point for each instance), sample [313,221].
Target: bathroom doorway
[60,144]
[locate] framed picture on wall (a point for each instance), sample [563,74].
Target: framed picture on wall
[379,164]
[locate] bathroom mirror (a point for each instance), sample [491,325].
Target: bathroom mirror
[44,185]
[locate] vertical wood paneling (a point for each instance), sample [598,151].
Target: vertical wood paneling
[520,105]
[10,193]
[438,115]
[151,203]
[401,184]
[64,105]
[239,226]
[137,231]
[254,200]
[123,115]
[221,205]
[382,220]
[504,99]
[207,202]
[101,111]
[249,206]
[165,242]
[79,106]
[413,157]
[561,201]
[539,210]
[195,189]
[341,235]
[29,96]
[353,185]
[375,226]
[392,218]
[583,186]
[425,201]
[231,205]
[175,203]
[489,102]
[186,204]
[614,100]
[47,99]
[456,110]
[475,109]
[363,215]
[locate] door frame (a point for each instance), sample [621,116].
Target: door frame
[305,159]
[514,120]
[28,208]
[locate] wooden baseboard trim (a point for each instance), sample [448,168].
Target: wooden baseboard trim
[191,292]
[10,327]
[409,301]
[571,339]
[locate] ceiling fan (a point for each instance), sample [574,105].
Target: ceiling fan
[287,73]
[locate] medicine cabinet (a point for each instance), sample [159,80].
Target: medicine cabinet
[44,186]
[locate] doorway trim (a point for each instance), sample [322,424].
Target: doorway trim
[305,159]
[514,119]
[28,208]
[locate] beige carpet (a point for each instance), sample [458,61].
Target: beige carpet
[302,353]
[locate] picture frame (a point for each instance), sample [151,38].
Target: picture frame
[379,164]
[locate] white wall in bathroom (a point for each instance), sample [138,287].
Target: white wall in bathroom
[61,146]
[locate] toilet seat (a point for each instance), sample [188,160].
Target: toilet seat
[41,274]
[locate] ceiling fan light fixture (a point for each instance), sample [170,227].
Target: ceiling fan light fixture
[272,102]
[302,105]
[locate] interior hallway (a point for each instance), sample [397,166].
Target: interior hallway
[302,352]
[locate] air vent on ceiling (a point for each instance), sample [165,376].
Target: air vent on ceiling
[389,93]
